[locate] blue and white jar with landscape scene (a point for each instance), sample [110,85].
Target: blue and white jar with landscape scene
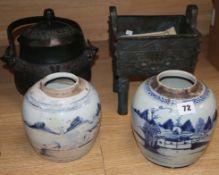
[61,116]
[173,118]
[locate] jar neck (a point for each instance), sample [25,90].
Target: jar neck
[61,84]
[176,84]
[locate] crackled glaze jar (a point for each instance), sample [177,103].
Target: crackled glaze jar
[61,116]
[173,118]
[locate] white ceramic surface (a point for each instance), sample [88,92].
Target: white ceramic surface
[61,115]
[173,118]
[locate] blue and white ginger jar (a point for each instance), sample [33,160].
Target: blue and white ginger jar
[173,118]
[61,115]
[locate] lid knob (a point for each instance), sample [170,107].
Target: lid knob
[49,15]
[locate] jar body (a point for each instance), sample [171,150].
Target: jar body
[61,128]
[173,132]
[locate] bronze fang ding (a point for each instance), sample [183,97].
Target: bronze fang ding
[150,55]
[48,44]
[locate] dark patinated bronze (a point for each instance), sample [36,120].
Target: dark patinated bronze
[150,55]
[48,44]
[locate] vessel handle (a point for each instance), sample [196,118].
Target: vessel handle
[92,50]
[191,16]
[113,19]
[10,53]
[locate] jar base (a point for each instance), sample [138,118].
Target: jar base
[175,161]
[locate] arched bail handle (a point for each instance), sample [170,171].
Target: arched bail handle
[10,53]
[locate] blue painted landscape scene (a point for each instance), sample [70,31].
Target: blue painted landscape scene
[173,136]
[86,136]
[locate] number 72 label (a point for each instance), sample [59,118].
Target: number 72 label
[186,108]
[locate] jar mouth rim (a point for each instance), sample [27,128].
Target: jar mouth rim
[177,74]
[60,84]
[193,88]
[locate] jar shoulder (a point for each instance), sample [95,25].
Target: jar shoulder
[37,97]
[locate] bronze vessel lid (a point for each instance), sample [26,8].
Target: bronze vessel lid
[52,31]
